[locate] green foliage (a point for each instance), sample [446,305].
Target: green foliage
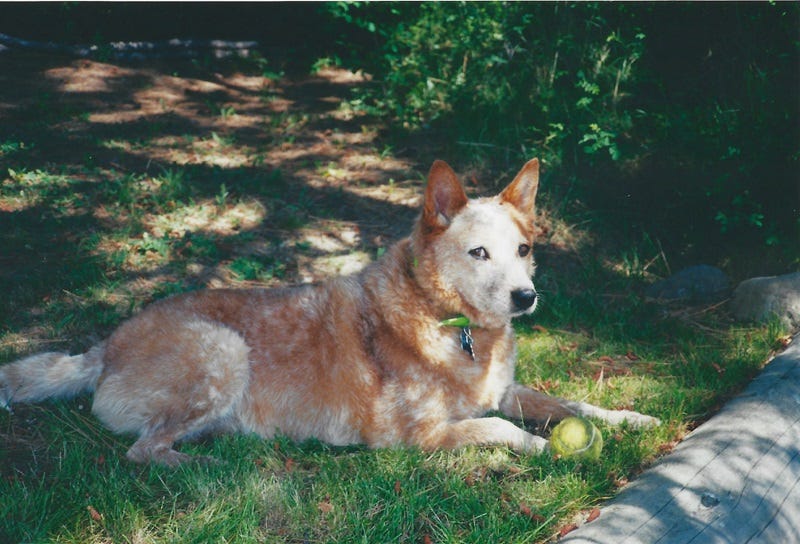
[608,94]
[11,146]
[249,269]
[501,72]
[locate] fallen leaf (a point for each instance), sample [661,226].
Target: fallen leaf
[631,356]
[94,514]
[289,464]
[398,489]
[565,530]
[525,510]
[426,539]
[593,515]
[325,506]
[606,359]
[538,328]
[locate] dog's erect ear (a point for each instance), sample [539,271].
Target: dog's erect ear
[444,196]
[521,193]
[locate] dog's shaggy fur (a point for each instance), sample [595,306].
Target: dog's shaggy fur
[361,359]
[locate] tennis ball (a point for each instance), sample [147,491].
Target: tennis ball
[576,437]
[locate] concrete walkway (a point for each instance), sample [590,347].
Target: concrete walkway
[735,479]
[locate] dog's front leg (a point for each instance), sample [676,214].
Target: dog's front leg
[524,403]
[486,431]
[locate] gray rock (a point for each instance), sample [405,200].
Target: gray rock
[701,283]
[759,299]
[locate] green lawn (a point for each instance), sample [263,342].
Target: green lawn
[98,218]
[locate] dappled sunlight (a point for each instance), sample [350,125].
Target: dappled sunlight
[16,203]
[26,189]
[209,218]
[87,77]
[337,238]
[326,266]
[238,127]
[124,184]
[230,121]
[337,75]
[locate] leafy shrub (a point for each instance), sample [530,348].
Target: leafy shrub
[550,77]
[704,94]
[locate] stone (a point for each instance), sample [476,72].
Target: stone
[698,284]
[761,299]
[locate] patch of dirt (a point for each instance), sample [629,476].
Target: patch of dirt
[93,118]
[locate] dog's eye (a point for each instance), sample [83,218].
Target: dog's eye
[524,250]
[479,253]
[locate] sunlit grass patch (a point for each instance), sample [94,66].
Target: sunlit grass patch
[24,188]
[209,217]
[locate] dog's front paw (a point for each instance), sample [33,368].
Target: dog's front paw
[615,417]
[634,419]
[535,444]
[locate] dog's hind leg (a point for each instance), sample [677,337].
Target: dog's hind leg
[531,406]
[157,448]
[167,384]
[523,403]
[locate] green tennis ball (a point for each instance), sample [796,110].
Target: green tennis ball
[576,437]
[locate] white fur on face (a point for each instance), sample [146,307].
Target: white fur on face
[485,284]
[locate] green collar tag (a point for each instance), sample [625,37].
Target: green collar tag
[457,321]
[462,322]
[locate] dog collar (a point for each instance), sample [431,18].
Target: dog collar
[463,323]
[458,321]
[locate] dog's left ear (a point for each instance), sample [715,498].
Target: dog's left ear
[521,193]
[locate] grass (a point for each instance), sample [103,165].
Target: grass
[85,244]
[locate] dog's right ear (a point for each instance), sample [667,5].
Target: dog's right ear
[444,197]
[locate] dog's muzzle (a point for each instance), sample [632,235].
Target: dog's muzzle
[522,299]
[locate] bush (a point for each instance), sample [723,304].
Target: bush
[689,103]
[549,77]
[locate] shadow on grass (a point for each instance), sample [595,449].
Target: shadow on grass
[73,131]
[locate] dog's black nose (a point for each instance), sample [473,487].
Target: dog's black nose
[523,298]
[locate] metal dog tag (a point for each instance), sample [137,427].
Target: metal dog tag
[466,341]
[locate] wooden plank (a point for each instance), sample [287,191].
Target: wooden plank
[735,479]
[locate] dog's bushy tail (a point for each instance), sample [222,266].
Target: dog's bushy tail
[49,375]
